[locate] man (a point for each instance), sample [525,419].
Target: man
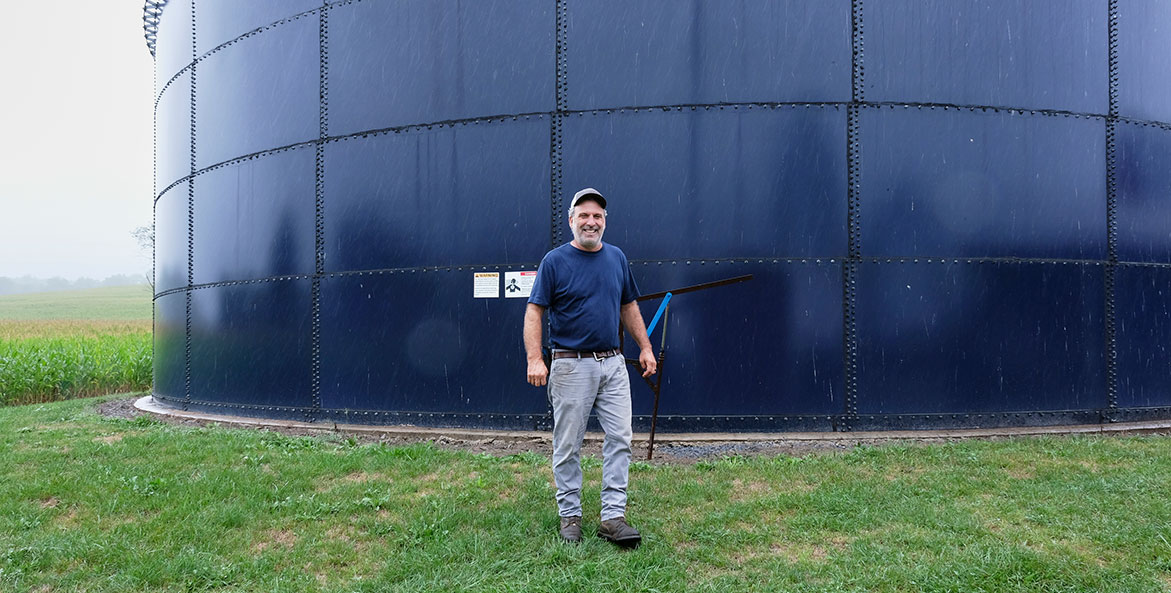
[587,287]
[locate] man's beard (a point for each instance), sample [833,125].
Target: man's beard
[588,243]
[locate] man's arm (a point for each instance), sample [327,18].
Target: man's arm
[538,372]
[636,327]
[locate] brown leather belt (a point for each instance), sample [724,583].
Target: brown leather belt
[595,355]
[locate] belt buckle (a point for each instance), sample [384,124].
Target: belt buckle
[598,358]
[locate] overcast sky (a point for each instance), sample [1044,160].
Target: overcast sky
[76,158]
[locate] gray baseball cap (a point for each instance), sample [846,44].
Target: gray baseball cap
[588,193]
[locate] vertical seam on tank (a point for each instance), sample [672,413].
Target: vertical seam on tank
[154,221]
[556,143]
[190,231]
[319,210]
[1111,211]
[852,261]
[556,146]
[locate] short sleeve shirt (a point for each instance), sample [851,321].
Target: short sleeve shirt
[583,292]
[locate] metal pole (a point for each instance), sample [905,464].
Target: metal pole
[658,384]
[664,308]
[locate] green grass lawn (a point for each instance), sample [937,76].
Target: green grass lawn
[59,345]
[95,504]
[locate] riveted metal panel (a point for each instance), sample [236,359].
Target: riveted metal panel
[466,194]
[970,183]
[761,182]
[254,219]
[258,94]
[250,343]
[979,337]
[1144,193]
[171,248]
[173,119]
[1144,59]
[170,338]
[1144,336]
[402,63]
[1018,53]
[222,21]
[670,52]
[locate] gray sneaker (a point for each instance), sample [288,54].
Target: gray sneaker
[619,532]
[571,529]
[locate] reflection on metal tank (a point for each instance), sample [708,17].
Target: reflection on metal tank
[956,214]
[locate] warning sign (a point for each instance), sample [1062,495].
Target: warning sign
[487,285]
[518,285]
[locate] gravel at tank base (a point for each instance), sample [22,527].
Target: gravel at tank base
[765,448]
[665,451]
[120,408]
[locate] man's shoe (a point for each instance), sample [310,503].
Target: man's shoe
[571,529]
[618,531]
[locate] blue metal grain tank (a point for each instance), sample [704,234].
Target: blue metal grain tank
[957,214]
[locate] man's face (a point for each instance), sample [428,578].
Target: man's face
[588,222]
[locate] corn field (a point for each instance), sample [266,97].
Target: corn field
[54,360]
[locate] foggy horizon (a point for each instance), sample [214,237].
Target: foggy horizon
[76,172]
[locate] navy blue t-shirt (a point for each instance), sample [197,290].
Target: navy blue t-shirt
[582,291]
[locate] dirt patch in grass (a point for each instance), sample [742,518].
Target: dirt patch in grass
[755,489]
[1021,473]
[793,552]
[1097,467]
[61,426]
[439,481]
[750,489]
[275,538]
[904,473]
[341,533]
[1089,554]
[358,477]
[110,439]
[67,520]
[50,503]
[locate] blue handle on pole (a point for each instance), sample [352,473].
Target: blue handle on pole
[658,314]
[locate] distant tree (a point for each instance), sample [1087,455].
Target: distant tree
[145,236]
[121,280]
[57,283]
[26,284]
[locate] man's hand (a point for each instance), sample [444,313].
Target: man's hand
[538,373]
[648,361]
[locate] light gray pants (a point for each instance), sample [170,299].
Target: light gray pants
[577,386]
